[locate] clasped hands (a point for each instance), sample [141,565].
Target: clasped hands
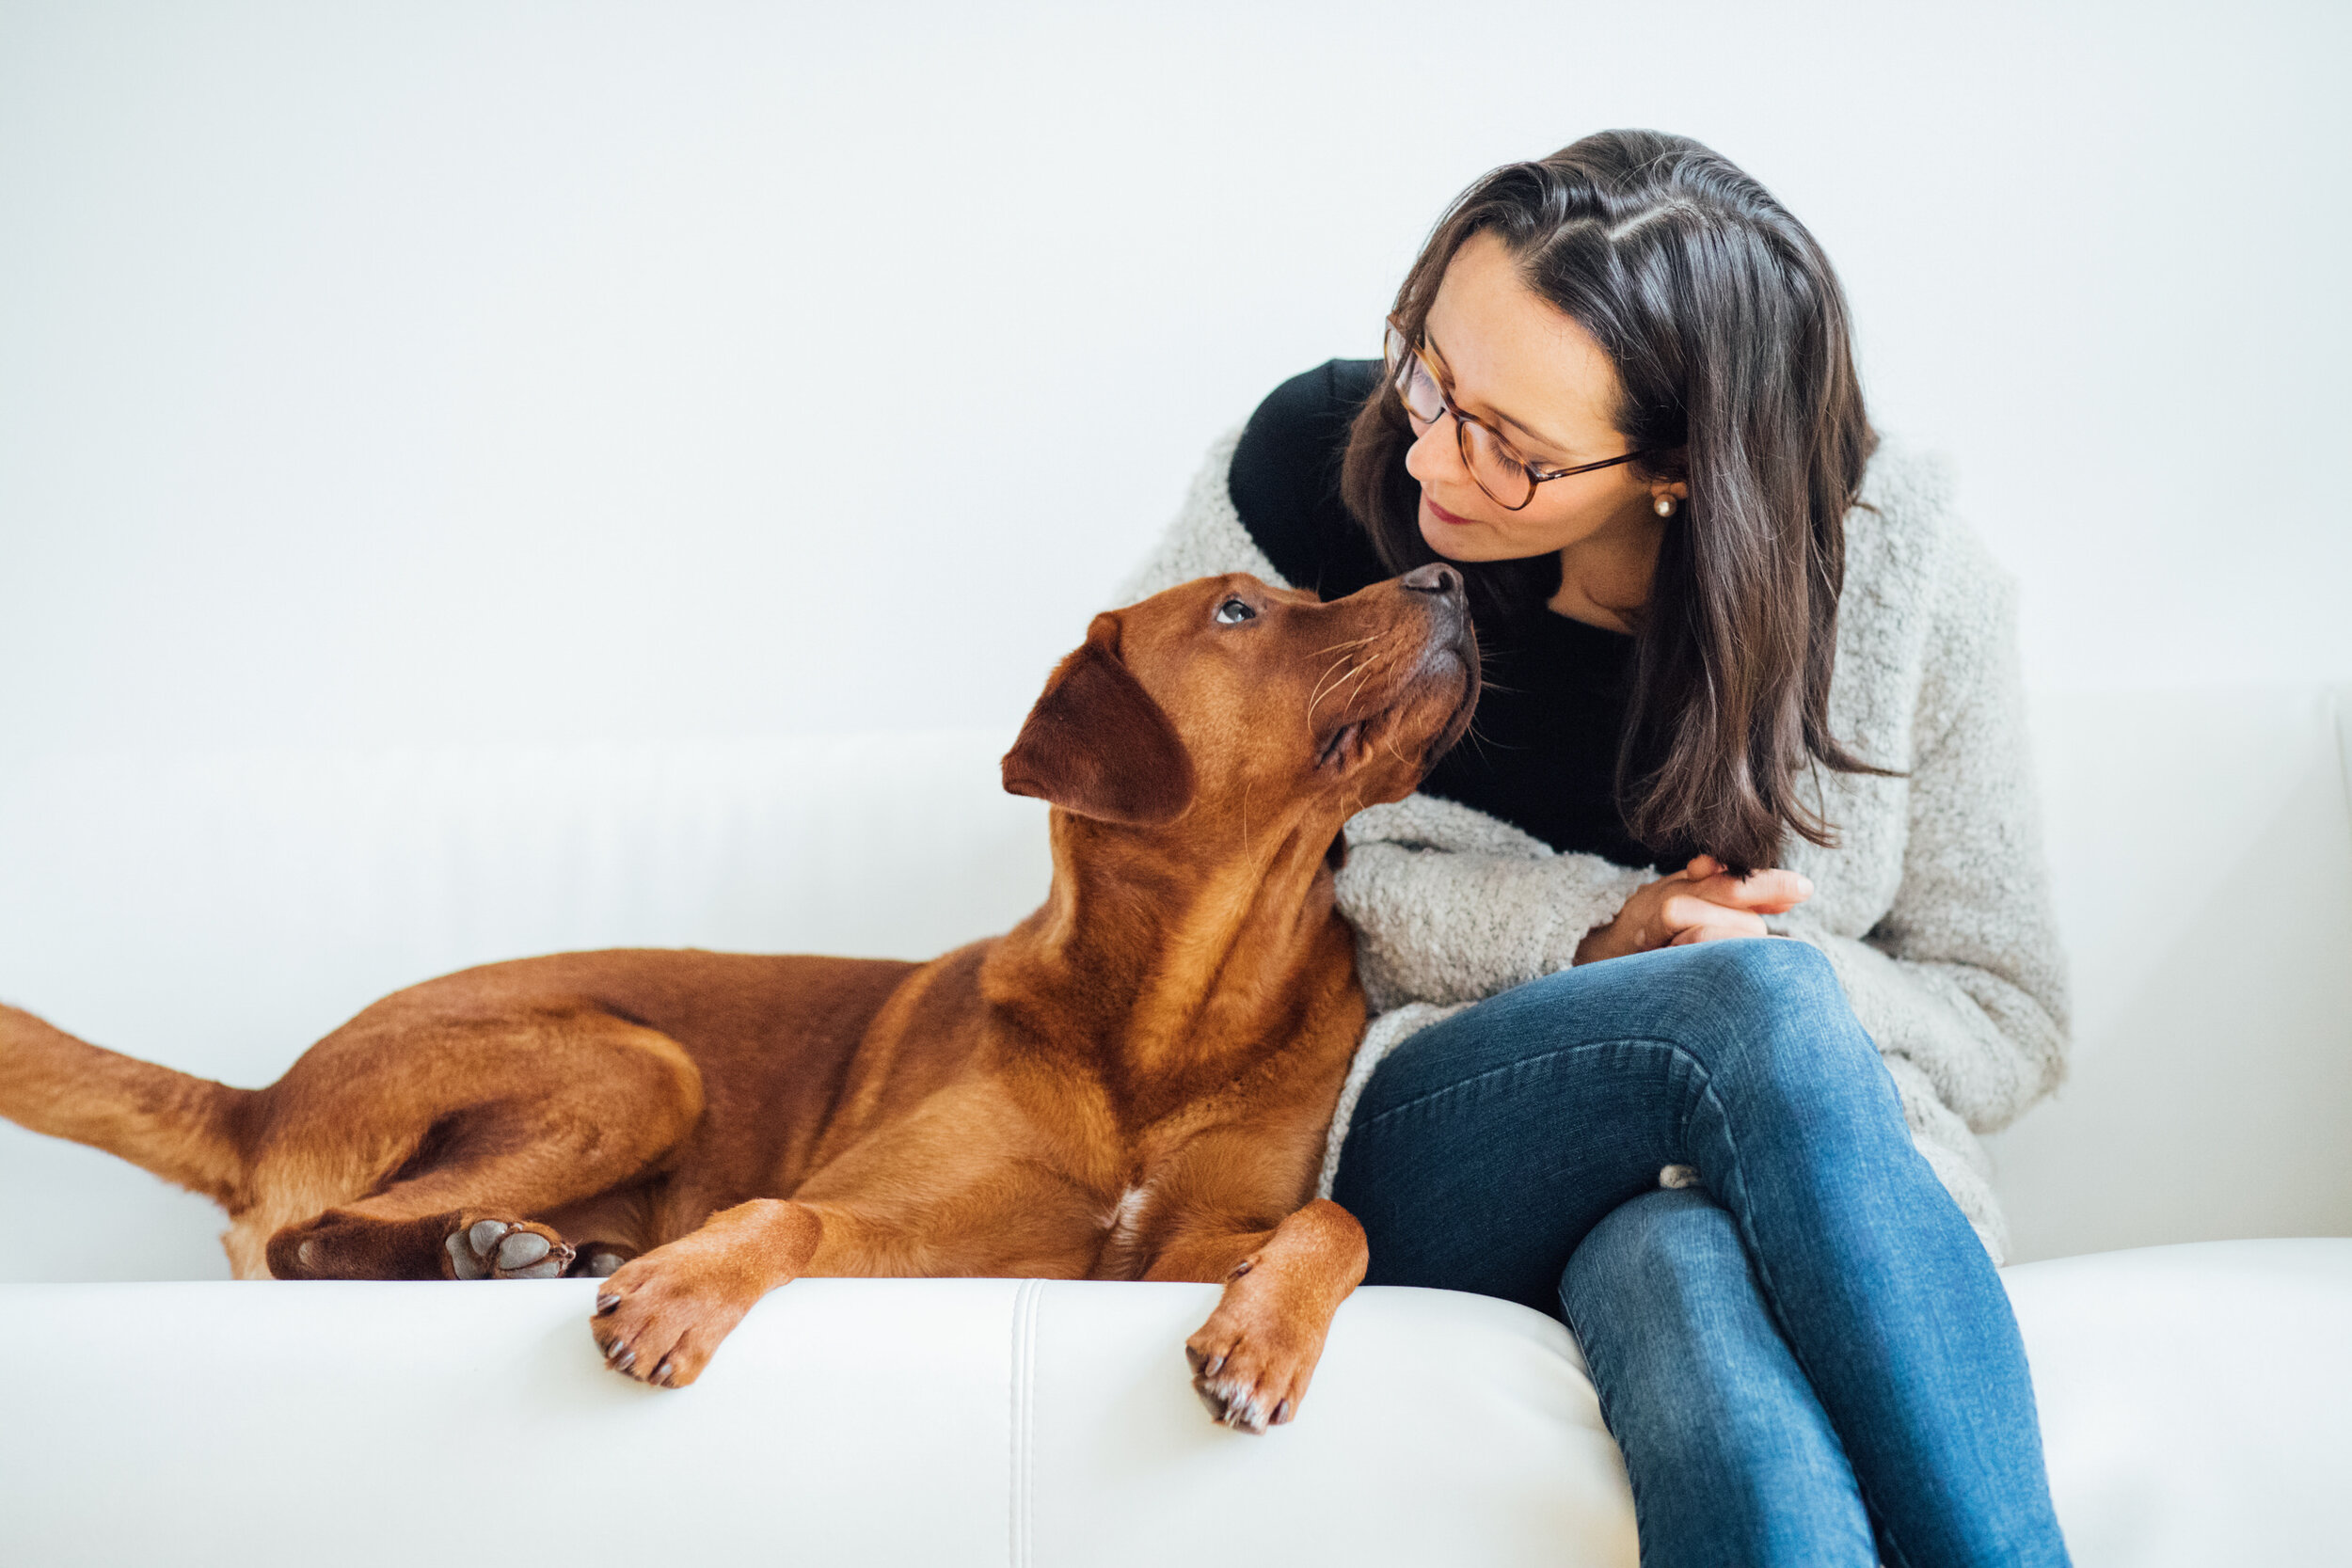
[1702,902]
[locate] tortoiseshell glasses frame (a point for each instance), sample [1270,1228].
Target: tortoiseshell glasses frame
[1496,470]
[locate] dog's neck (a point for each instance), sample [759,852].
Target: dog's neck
[1166,960]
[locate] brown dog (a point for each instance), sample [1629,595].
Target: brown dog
[1136,1083]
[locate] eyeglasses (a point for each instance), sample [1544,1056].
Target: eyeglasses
[1508,478]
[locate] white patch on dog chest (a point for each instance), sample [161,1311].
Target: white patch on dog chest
[1127,1213]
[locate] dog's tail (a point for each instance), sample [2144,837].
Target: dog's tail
[186,1129]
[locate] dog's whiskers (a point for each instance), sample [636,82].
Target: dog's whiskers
[1361,672]
[1320,692]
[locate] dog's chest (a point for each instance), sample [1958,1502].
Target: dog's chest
[1123,1224]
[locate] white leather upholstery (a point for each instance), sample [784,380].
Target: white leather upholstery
[220,912]
[914,1422]
[2196,1400]
[2193,1404]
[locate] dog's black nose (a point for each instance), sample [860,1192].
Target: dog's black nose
[1433,578]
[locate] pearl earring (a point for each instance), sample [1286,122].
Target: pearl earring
[1663,506]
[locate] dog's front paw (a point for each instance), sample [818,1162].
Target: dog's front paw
[1250,1368]
[484,1247]
[654,1324]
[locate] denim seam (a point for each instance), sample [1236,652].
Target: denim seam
[1881,1527]
[1461,1083]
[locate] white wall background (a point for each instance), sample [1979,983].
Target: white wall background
[441,373]
[642,383]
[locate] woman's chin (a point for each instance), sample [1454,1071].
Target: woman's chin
[1453,541]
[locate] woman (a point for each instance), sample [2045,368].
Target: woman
[1724,634]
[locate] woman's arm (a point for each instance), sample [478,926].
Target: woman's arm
[1451,904]
[1962,979]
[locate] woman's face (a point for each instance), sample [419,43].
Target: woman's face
[1536,374]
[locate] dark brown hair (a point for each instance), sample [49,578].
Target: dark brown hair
[1727,329]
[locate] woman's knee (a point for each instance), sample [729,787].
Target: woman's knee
[1767,1010]
[1652,1246]
[1750,978]
[1652,1261]
[1762,976]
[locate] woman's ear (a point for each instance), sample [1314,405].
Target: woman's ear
[1096,744]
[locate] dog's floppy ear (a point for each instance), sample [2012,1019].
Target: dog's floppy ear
[1098,745]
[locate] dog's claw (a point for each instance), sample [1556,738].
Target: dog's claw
[1247,1376]
[607,1304]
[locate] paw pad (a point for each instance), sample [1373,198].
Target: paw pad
[503,1249]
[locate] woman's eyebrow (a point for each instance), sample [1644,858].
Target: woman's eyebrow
[1527,430]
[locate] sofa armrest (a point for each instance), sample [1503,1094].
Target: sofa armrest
[846,1421]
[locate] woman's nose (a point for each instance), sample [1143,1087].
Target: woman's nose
[1436,455]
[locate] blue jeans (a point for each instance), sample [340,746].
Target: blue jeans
[1808,1357]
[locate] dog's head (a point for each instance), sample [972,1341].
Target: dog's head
[1224,701]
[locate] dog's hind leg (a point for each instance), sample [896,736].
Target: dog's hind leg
[461,1221]
[606,1231]
[540,1130]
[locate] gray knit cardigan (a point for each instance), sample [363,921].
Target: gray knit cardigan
[1932,907]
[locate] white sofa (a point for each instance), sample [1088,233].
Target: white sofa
[218,912]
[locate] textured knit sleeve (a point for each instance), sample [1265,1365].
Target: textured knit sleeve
[1452,905]
[1962,981]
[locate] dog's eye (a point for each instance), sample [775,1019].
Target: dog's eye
[1233,611]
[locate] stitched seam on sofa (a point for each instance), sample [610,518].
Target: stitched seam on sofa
[1021,1543]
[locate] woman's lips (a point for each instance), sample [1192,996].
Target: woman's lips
[1441,514]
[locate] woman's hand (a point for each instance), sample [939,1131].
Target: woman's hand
[1702,902]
